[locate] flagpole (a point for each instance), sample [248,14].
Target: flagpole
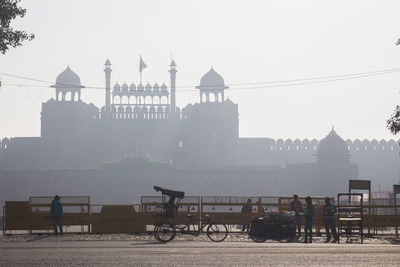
[140,68]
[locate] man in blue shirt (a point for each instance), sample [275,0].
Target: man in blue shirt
[56,211]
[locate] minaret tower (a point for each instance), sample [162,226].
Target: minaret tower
[107,71]
[172,72]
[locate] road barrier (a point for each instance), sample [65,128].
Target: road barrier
[34,215]
[16,216]
[76,212]
[117,219]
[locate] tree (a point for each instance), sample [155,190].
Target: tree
[393,124]
[9,37]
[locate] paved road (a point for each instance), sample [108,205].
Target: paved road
[194,253]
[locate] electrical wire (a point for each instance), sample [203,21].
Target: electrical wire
[243,86]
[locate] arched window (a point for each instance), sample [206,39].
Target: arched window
[212,97]
[164,100]
[117,100]
[203,97]
[76,96]
[148,100]
[132,100]
[59,96]
[68,96]
[124,100]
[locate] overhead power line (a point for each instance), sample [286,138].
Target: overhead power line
[240,86]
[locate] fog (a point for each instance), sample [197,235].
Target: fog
[233,98]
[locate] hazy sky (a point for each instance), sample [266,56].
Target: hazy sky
[245,41]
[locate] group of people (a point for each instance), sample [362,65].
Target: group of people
[328,212]
[296,206]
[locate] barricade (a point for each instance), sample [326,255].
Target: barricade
[76,212]
[35,216]
[107,219]
[16,216]
[228,210]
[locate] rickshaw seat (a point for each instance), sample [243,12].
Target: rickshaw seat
[190,215]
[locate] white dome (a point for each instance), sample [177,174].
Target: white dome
[68,79]
[212,81]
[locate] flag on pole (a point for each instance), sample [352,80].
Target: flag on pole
[142,65]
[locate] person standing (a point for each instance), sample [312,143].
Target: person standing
[56,211]
[329,211]
[308,225]
[246,209]
[297,207]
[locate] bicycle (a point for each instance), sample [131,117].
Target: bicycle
[165,231]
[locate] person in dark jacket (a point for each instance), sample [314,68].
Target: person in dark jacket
[329,211]
[56,211]
[308,225]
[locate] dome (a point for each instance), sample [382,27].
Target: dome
[68,78]
[116,87]
[156,88]
[212,81]
[332,144]
[124,87]
[140,87]
[132,87]
[107,62]
[163,87]
[148,87]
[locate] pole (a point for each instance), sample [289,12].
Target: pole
[395,213]
[395,190]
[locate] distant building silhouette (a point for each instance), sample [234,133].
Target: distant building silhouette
[143,121]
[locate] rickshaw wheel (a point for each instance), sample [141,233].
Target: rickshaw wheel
[164,232]
[217,232]
[155,232]
[258,239]
[289,233]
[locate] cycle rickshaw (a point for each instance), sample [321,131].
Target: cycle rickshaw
[166,229]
